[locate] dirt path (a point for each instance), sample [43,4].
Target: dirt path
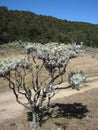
[68,92]
[10,109]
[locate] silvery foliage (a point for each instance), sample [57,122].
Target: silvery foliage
[55,55]
[8,65]
[75,50]
[76,78]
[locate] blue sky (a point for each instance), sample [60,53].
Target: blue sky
[72,10]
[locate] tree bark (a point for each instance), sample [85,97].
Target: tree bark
[36,122]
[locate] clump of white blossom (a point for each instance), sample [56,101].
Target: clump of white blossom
[54,54]
[76,78]
[8,65]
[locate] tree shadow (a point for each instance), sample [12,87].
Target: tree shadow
[59,110]
[75,110]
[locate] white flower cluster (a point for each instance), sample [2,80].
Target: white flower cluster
[8,65]
[55,55]
[75,50]
[76,78]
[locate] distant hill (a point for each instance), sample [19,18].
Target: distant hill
[27,26]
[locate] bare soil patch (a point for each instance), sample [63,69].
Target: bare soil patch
[76,112]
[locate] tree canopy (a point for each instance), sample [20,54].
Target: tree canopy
[27,26]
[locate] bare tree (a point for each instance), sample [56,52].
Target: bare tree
[50,60]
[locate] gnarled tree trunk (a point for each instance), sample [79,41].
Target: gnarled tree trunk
[35,123]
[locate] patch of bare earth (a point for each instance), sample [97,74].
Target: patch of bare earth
[76,112]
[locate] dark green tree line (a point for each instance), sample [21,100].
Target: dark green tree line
[27,26]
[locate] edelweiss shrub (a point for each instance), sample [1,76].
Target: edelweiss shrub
[76,78]
[54,59]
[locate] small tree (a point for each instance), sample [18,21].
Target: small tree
[51,59]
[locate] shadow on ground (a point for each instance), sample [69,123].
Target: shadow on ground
[75,110]
[58,110]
